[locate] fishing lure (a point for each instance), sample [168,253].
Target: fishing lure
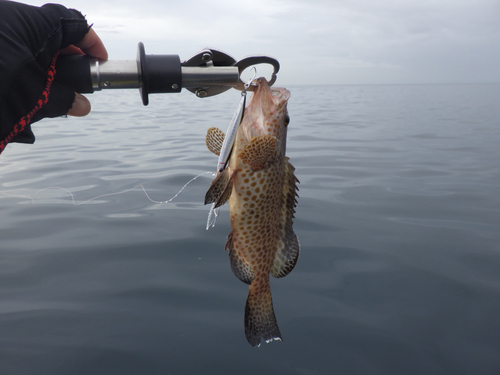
[228,143]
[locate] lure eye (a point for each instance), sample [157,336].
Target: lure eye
[287,120]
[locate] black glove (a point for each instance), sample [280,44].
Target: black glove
[30,38]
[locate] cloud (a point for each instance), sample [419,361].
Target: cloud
[316,41]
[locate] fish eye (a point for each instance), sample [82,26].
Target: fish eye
[287,120]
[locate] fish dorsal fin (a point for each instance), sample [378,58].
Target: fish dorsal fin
[260,152]
[220,189]
[240,267]
[288,248]
[214,139]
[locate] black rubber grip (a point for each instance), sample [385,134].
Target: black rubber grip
[159,74]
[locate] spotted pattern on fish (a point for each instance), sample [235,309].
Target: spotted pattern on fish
[261,206]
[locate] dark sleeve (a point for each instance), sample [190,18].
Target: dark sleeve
[30,37]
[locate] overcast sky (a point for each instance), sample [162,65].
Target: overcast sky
[316,41]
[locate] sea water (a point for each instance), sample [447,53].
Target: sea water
[398,219]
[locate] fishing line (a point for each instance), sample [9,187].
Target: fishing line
[32,200]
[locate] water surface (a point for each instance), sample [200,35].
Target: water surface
[398,219]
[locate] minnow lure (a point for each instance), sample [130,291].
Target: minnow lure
[227,145]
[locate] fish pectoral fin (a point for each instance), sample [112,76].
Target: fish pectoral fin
[260,152]
[239,266]
[220,189]
[214,139]
[287,252]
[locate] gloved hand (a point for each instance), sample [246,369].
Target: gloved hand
[30,40]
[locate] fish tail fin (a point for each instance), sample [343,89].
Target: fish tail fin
[260,321]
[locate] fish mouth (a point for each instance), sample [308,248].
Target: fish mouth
[270,97]
[265,105]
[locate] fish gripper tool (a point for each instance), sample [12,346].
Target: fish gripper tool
[207,73]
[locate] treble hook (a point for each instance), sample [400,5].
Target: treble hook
[249,83]
[254,60]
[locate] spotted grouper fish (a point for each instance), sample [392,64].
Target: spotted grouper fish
[261,188]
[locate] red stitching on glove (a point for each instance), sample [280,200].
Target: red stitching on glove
[42,100]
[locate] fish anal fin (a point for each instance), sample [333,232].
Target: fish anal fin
[260,321]
[220,189]
[239,266]
[288,249]
[214,139]
[260,152]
